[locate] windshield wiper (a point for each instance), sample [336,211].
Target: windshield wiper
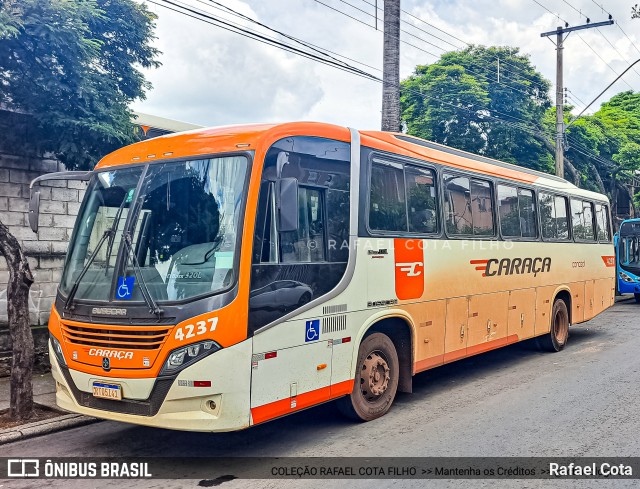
[68,303]
[137,270]
[113,229]
[109,233]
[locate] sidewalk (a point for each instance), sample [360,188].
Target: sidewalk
[44,391]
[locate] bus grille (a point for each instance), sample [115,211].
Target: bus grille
[137,337]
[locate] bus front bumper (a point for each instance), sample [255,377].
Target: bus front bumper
[168,403]
[628,287]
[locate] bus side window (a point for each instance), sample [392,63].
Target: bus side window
[528,220]
[602,222]
[422,200]
[553,214]
[306,244]
[387,202]
[582,220]
[508,210]
[562,219]
[482,207]
[457,205]
[548,216]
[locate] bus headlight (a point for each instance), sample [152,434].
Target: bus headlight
[57,349]
[626,278]
[187,355]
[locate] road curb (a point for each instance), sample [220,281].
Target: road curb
[51,425]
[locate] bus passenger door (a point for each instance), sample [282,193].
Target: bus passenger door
[487,321]
[455,337]
[522,313]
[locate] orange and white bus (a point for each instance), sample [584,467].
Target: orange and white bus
[221,278]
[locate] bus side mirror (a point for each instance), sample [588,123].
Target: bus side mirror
[287,193]
[34,210]
[34,194]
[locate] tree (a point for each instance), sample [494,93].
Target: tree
[635,12]
[480,99]
[72,66]
[612,134]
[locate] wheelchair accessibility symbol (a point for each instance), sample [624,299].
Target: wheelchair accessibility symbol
[125,288]
[313,330]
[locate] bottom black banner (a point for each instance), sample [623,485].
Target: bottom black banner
[321,468]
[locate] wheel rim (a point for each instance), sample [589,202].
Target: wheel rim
[561,327]
[374,376]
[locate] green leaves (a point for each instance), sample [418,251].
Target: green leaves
[478,100]
[74,66]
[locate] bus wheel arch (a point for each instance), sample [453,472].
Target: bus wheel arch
[556,339]
[565,295]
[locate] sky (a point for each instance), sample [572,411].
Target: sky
[210,76]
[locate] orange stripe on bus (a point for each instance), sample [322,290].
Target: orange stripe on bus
[428,363]
[454,355]
[282,407]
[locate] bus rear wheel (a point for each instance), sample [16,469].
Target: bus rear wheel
[376,380]
[556,338]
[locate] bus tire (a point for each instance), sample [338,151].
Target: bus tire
[376,380]
[556,338]
[637,297]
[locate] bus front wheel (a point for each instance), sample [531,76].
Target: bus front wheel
[556,338]
[637,297]
[376,380]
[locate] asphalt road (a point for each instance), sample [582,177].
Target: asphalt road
[516,401]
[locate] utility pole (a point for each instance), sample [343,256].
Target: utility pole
[391,67]
[561,34]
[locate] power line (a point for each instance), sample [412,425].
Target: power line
[528,94]
[601,58]
[605,38]
[221,7]
[212,20]
[208,18]
[616,50]
[579,11]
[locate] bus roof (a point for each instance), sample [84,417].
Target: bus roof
[219,139]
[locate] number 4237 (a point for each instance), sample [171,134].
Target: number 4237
[200,328]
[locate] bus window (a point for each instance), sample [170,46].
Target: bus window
[306,244]
[294,267]
[553,214]
[582,220]
[457,205]
[527,205]
[602,222]
[482,207]
[508,209]
[517,212]
[562,217]
[387,205]
[421,194]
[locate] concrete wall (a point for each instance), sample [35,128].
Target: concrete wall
[46,250]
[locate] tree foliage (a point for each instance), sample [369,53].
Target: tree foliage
[458,101]
[74,66]
[612,134]
[473,100]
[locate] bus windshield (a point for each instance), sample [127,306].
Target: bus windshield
[179,235]
[629,246]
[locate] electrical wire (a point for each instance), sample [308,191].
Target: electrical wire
[210,19]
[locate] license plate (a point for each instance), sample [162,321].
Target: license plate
[107,391]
